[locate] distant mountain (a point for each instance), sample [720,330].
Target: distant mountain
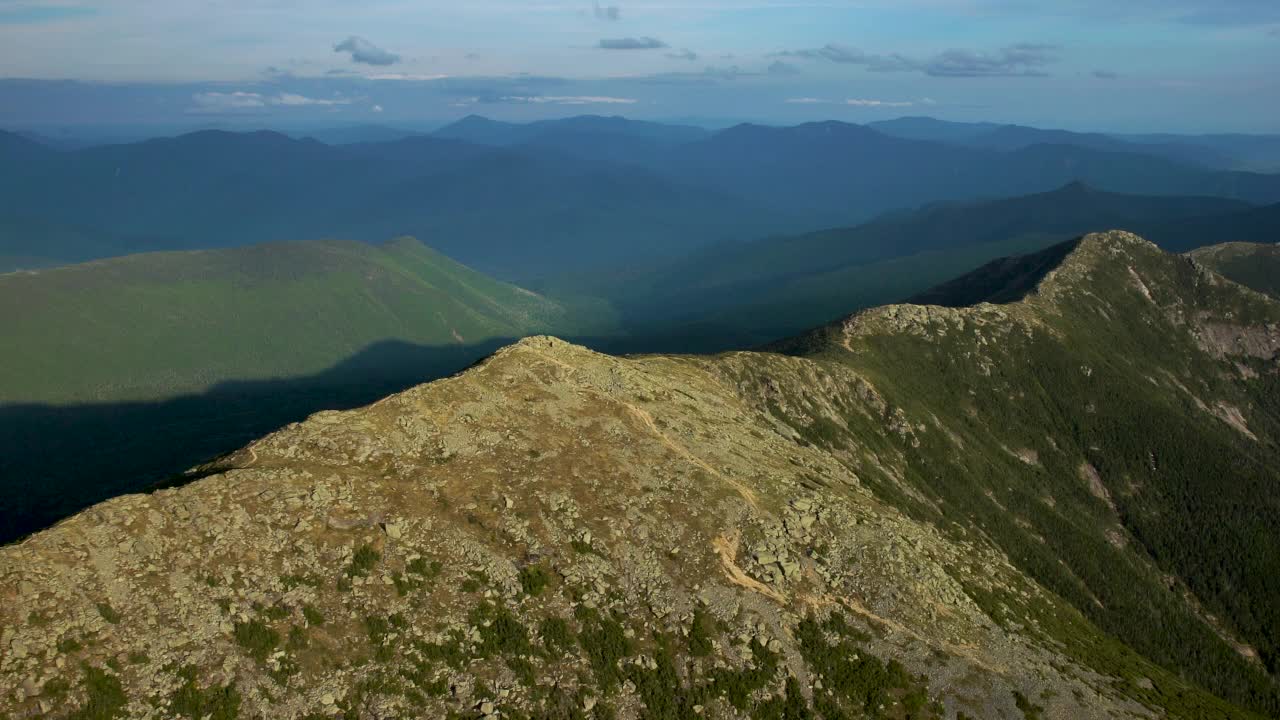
[479,129]
[1254,265]
[773,286]
[1251,225]
[610,139]
[580,196]
[513,212]
[839,174]
[352,134]
[1259,153]
[1223,152]
[932,129]
[15,147]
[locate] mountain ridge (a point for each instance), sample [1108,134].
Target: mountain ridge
[556,530]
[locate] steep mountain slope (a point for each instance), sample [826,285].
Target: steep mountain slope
[902,523]
[1254,265]
[1123,412]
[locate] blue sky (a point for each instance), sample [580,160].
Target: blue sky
[1125,65]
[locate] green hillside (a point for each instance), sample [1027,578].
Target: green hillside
[1106,413]
[155,325]
[1254,265]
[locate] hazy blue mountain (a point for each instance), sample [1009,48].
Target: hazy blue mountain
[839,174]
[515,212]
[16,147]
[927,128]
[1223,152]
[1252,225]
[479,129]
[1249,152]
[580,195]
[760,290]
[352,134]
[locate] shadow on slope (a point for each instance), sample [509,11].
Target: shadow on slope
[57,460]
[1002,281]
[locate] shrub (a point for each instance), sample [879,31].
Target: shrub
[108,613]
[213,703]
[105,699]
[363,560]
[257,638]
[312,615]
[534,579]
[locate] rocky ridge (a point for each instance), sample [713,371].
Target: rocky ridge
[560,533]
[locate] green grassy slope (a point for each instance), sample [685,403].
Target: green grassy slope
[1254,265]
[1114,431]
[155,325]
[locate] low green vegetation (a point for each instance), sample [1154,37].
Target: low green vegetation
[108,614]
[534,579]
[363,560]
[212,703]
[257,638]
[105,698]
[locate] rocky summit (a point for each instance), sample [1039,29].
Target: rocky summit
[980,511]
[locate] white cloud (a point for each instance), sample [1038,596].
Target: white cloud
[569,100]
[376,108]
[240,100]
[856,102]
[228,101]
[294,100]
[403,76]
[864,102]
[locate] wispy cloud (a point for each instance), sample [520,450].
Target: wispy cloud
[1023,59]
[863,102]
[363,51]
[632,43]
[228,101]
[1105,74]
[569,100]
[781,68]
[683,55]
[240,100]
[853,102]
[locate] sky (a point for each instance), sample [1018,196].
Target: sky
[1113,65]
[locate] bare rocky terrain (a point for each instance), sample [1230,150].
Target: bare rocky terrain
[557,533]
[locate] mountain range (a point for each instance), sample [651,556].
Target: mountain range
[1005,504]
[528,202]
